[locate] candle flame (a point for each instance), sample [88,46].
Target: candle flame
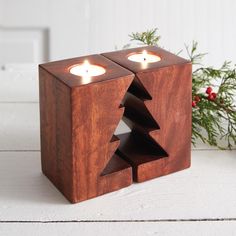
[144,55]
[86,65]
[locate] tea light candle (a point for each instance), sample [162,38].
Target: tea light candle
[144,57]
[87,70]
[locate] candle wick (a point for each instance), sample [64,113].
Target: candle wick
[86,71]
[144,59]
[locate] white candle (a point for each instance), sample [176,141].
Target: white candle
[86,70]
[144,57]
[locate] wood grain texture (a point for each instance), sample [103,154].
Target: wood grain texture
[60,69]
[78,121]
[56,142]
[99,112]
[158,111]
[20,128]
[24,97]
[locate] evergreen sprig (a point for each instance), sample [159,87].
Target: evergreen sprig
[213,96]
[149,37]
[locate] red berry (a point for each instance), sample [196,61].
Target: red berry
[212,96]
[209,90]
[194,104]
[197,98]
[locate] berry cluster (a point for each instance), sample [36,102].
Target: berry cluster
[196,99]
[211,96]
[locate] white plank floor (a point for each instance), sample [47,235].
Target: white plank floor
[120,229]
[198,201]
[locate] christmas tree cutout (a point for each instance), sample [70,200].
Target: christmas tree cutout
[139,147]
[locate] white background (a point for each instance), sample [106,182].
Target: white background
[79,27]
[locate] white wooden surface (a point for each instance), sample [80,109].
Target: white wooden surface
[118,229]
[197,201]
[205,191]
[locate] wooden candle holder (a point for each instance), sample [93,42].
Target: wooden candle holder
[158,111]
[79,151]
[78,120]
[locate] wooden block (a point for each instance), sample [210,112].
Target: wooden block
[158,111]
[78,120]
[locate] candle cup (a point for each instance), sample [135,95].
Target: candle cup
[86,70]
[144,57]
[158,111]
[78,119]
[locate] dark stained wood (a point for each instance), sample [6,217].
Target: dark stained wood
[60,69]
[78,121]
[80,153]
[167,59]
[95,116]
[56,149]
[158,110]
[143,154]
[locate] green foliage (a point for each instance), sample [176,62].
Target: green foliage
[149,37]
[213,117]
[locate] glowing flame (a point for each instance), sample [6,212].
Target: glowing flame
[144,53]
[86,66]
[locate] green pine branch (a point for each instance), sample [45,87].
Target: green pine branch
[149,37]
[214,109]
